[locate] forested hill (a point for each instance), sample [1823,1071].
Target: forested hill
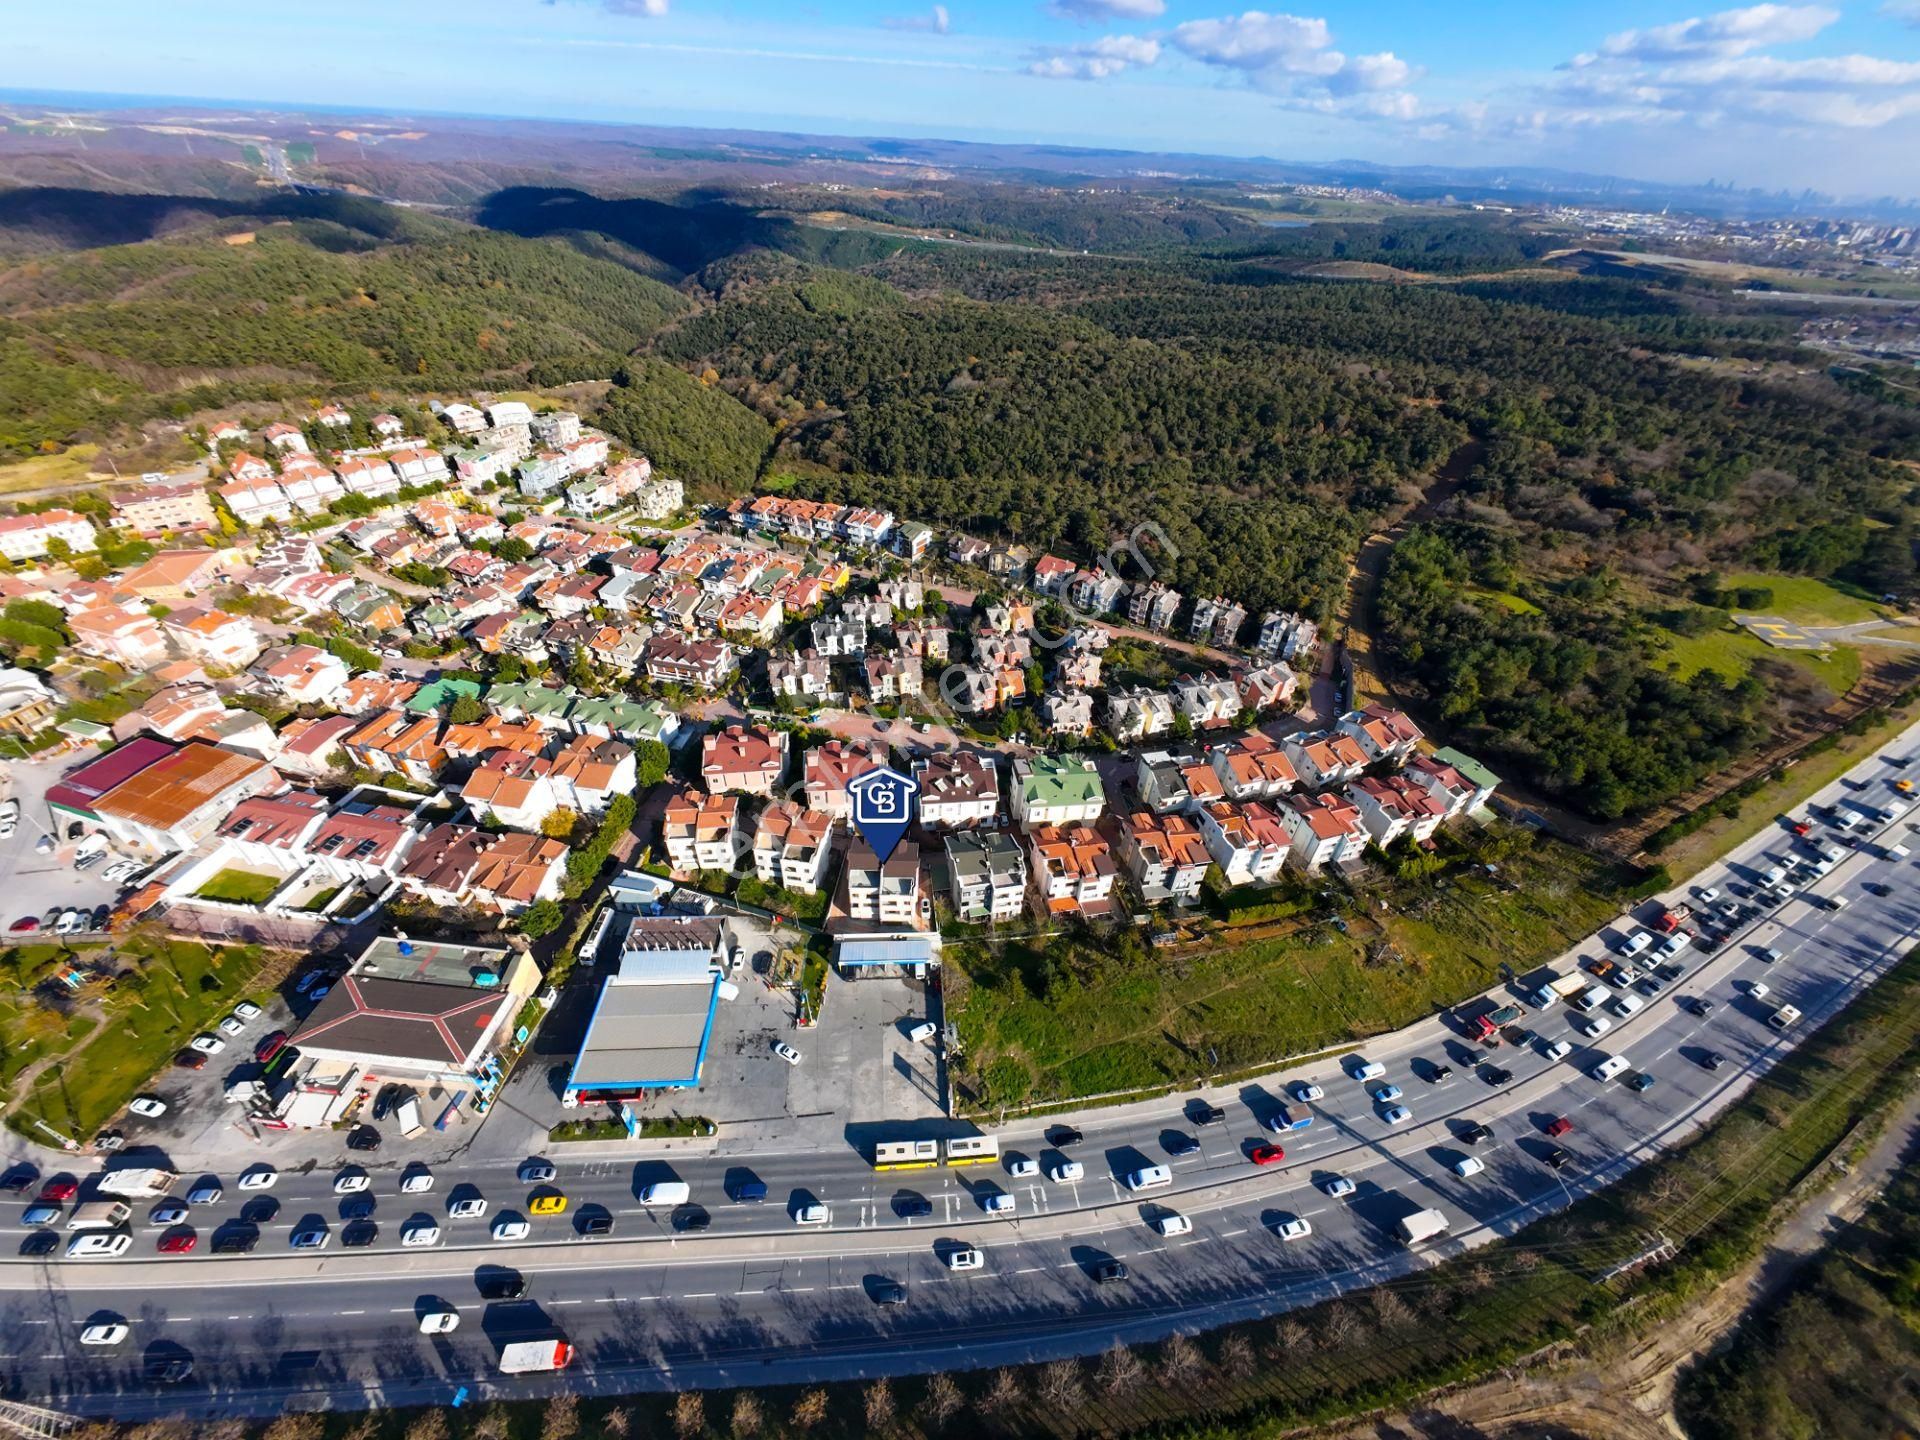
[254,304]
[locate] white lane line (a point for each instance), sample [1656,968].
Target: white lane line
[699,1295]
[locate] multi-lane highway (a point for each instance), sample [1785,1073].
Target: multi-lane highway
[754,1297]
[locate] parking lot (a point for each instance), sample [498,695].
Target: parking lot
[36,883]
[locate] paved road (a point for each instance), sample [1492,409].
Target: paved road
[755,1298]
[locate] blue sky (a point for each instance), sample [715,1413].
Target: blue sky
[1778,95]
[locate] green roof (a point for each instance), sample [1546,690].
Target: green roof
[433,696]
[534,699]
[1472,769]
[642,719]
[1056,780]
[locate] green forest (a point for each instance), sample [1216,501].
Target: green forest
[1579,450]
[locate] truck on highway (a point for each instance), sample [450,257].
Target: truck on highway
[137,1182]
[530,1357]
[1422,1225]
[100,1215]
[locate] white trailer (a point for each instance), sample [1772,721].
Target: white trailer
[1423,1225]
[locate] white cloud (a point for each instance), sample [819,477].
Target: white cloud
[935,21]
[1903,10]
[1097,59]
[1729,33]
[648,9]
[1097,11]
[1293,58]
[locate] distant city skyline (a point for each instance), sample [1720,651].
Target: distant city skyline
[1773,96]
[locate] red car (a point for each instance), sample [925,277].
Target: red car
[1800,827]
[190,1060]
[60,1189]
[1561,1126]
[1267,1155]
[270,1046]
[178,1243]
[25,925]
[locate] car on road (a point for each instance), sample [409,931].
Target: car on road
[207,1044]
[1061,1136]
[503,1285]
[258,1177]
[1700,1006]
[1496,1075]
[180,1242]
[1385,1094]
[417,1181]
[1712,1060]
[998,1202]
[1337,1186]
[1022,1167]
[357,1207]
[99,1245]
[1204,1114]
[1363,1069]
[470,1208]
[420,1232]
[1178,1143]
[1558,1126]
[1558,1050]
[167,1212]
[351,1181]
[1266,1154]
[535,1172]
[1109,1272]
[1609,1068]
[205,1192]
[1556,1158]
[889,1292]
[1641,1083]
[1305,1090]
[439,1322]
[1757,990]
[151,1106]
[1293,1227]
[1475,1133]
[1172,1223]
[786,1052]
[965,1257]
[1067,1170]
[1594,1026]
[360,1234]
[1436,1074]
[168,1370]
[811,1213]
[18,1180]
[912,1207]
[551,1203]
[1468,1165]
[1396,1115]
[236,1242]
[363,1137]
[39,1243]
[310,1237]
[61,1188]
[105,1334]
[41,1214]
[511,1227]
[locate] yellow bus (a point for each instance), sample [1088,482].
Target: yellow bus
[906,1155]
[973,1150]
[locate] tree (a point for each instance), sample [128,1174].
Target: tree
[542,917]
[810,1409]
[560,824]
[653,762]
[561,1420]
[1120,1372]
[467,710]
[689,1414]
[749,1416]
[944,1399]
[429,1424]
[880,1406]
[1181,1363]
[1060,1385]
[1004,1393]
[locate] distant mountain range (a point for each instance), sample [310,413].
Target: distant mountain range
[187,146]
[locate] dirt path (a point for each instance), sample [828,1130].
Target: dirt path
[1628,1395]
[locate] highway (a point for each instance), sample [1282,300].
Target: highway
[754,1298]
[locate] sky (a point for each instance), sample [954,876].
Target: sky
[1779,96]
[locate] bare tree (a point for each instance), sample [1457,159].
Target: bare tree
[619,1421]
[1004,1393]
[1391,1310]
[1479,1278]
[880,1404]
[562,1418]
[1340,1325]
[1236,1354]
[1290,1337]
[428,1425]
[1181,1363]
[689,1414]
[306,1426]
[493,1423]
[945,1399]
[1060,1384]
[749,1416]
[1120,1372]
[810,1409]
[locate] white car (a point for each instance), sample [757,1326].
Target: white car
[472,1208]
[69,921]
[439,1322]
[811,1214]
[351,1182]
[1172,1223]
[1305,1090]
[786,1052]
[260,1177]
[1337,1185]
[1468,1165]
[99,1245]
[120,870]
[167,1212]
[1608,1068]
[104,1334]
[1558,1050]
[247,1010]
[1595,1026]
[1293,1228]
[416,1182]
[208,1044]
[965,1258]
[1758,990]
[424,1232]
[1022,1168]
[1069,1170]
[997,1202]
[232,1025]
[1709,894]
[511,1227]
[1396,1115]
[148,1105]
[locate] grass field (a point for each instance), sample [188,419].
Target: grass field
[1732,653]
[69,467]
[1809,601]
[1055,1018]
[148,1014]
[239,887]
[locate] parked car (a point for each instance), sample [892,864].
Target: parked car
[152,1106]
